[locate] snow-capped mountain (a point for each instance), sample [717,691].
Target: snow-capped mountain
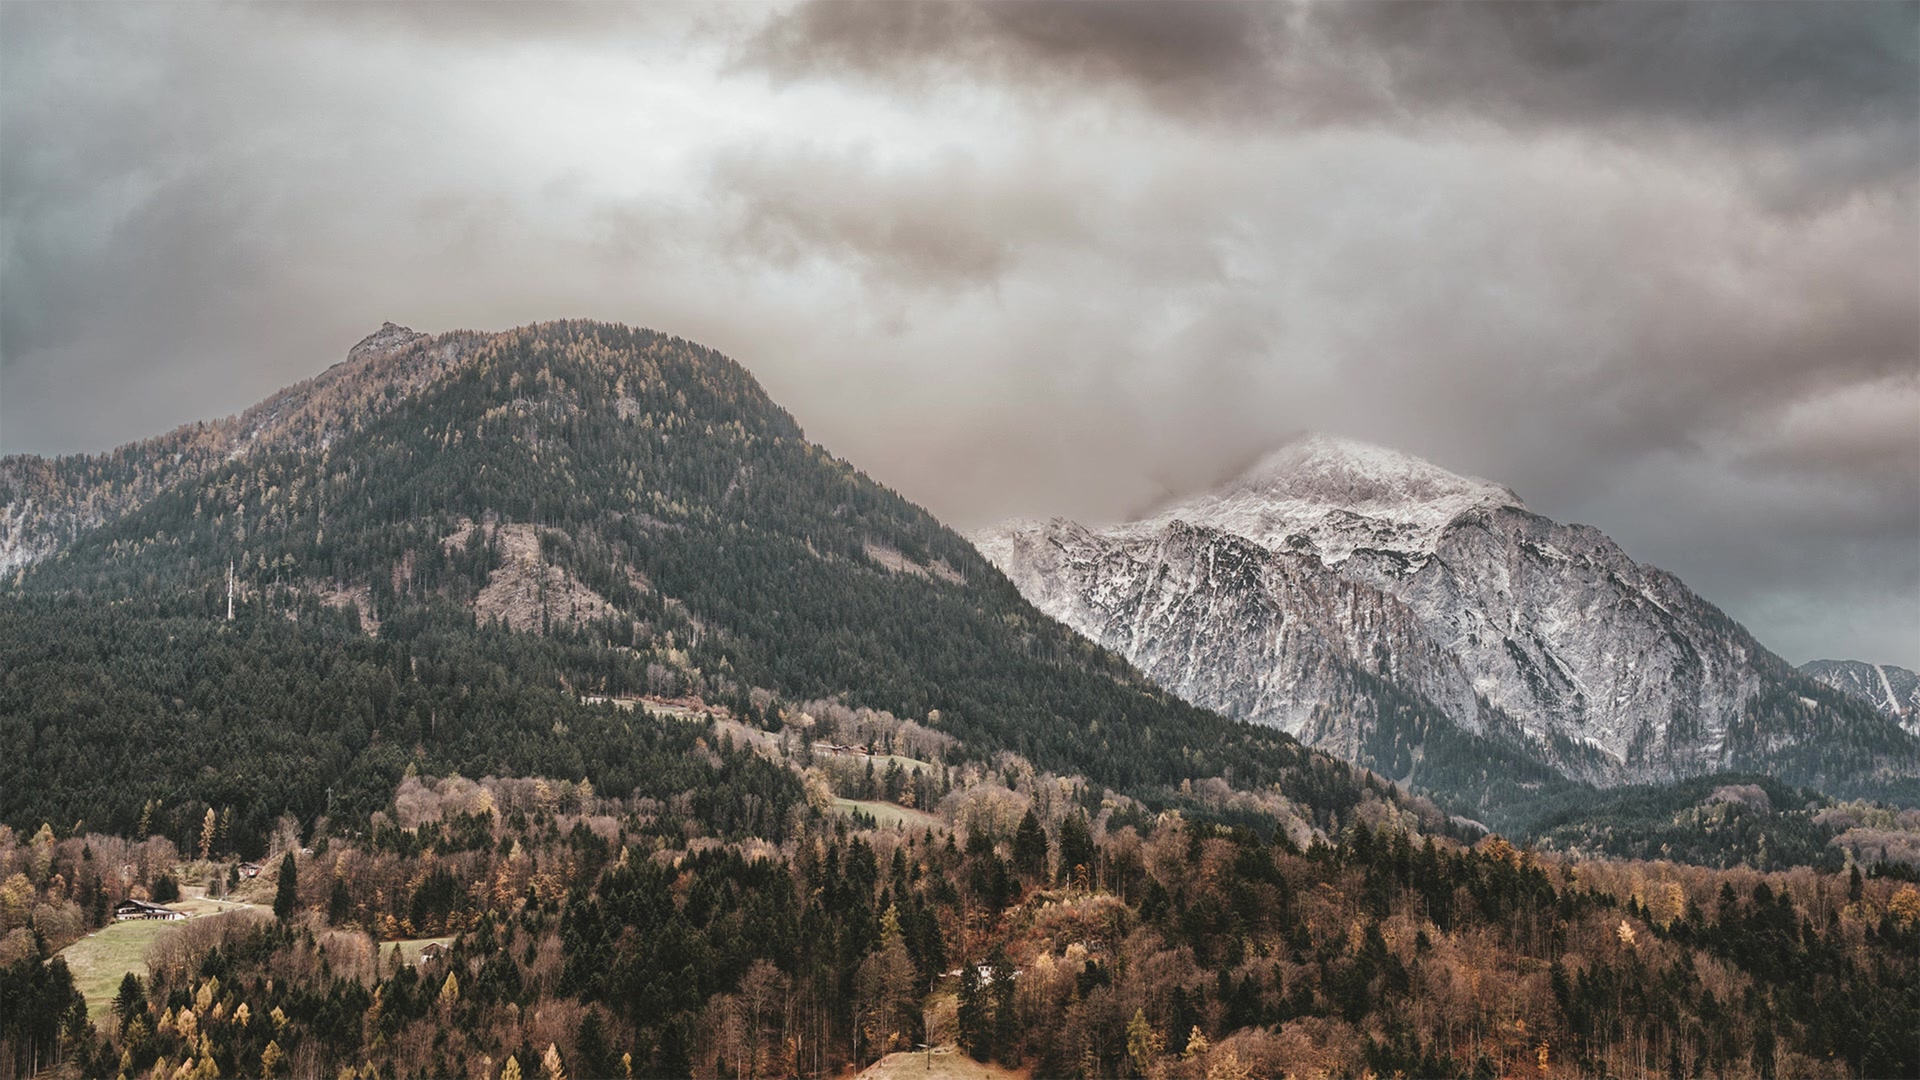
[1895,691]
[1334,497]
[1264,597]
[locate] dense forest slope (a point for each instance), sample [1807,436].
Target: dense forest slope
[442,545]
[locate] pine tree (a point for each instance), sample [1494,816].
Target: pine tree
[1030,848]
[339,902]
[976,1033]
[1076,848]
[131,1000]
[1006,1030]
[287,896]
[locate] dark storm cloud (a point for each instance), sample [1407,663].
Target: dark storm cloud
[1841,75]
[1213,56]
[1654,266]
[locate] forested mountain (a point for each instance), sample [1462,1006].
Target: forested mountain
[1430,626]
[1893,690]
[441,545]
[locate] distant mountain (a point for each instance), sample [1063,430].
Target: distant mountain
[443,543]
[1291,595]
[1895,691]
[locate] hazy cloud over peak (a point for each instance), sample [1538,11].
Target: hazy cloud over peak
[1653,265]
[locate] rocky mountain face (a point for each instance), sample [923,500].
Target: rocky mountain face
[1330,557]
[1894,691]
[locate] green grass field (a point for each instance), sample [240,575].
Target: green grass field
[886,813]
[880,761]
[99,960]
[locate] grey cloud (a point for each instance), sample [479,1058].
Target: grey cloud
[940,223]
[500,22]
[1843,76]
[1207,55]
[1650,265]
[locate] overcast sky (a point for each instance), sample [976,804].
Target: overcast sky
[1655,266]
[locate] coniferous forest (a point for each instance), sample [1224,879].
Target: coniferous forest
[570,714]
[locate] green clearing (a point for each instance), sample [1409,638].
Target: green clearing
[880,761]
[945,1063]
[410,948]
[886,813]
[101,959]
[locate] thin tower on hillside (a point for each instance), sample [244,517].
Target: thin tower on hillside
[229,590]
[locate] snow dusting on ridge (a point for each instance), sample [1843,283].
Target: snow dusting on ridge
[1328,496]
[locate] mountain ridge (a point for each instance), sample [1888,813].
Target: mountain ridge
[1612,671]
[1893,690]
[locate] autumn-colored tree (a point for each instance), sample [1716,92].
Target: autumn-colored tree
[1905,905]
[885,987]
[41,848]
[762,991]
[209,826]
[1144,1044]
[16,902]
[1226,1065]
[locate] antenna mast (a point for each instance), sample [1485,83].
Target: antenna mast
[229,590]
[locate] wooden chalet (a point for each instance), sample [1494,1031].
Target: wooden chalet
[140,909]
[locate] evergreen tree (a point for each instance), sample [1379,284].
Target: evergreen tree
[286,896]
[1006,1021]
[1030,848]
[339,902]
[131,1000]
[1076,847]
[976,1030]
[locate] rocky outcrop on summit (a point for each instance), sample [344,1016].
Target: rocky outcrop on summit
[1259,598]
[1895,691]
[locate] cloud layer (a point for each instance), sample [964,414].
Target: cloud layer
[1654,266]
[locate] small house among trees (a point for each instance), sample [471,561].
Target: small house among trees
[249,870]
[433,953]
[140,909]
